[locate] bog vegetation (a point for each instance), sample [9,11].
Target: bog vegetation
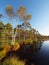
[11,38]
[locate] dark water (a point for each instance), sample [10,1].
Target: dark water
[42,57]
[37,54]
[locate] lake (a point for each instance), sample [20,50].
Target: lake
[32,54]
[42,57]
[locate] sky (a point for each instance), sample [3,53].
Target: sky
[39,9]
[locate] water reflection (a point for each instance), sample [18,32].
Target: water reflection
[42,57]
[26,52]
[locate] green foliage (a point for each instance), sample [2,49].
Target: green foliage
[30,41]
[30,36]
[25,34]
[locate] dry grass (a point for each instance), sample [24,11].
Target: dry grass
[13,61]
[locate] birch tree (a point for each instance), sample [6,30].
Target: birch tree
[20,14]
[10,13]
[24,17]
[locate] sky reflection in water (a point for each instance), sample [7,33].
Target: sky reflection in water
[42,57]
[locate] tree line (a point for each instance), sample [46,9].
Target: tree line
[30,34]
[22,32]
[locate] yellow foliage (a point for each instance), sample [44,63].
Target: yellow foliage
[13,61]
[16,46]
[29,41]
[9,8]
[2,53]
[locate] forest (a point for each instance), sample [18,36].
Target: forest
[12,39]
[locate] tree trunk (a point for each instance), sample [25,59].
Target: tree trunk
[19,34]
[24,30]
[24,37]
[13,38]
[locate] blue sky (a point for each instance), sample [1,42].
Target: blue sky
[39,9]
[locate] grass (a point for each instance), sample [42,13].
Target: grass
[2,54]
[13,61]
[5,48]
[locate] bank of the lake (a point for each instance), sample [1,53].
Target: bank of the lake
[31,54]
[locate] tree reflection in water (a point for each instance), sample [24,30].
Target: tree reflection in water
[25,52]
